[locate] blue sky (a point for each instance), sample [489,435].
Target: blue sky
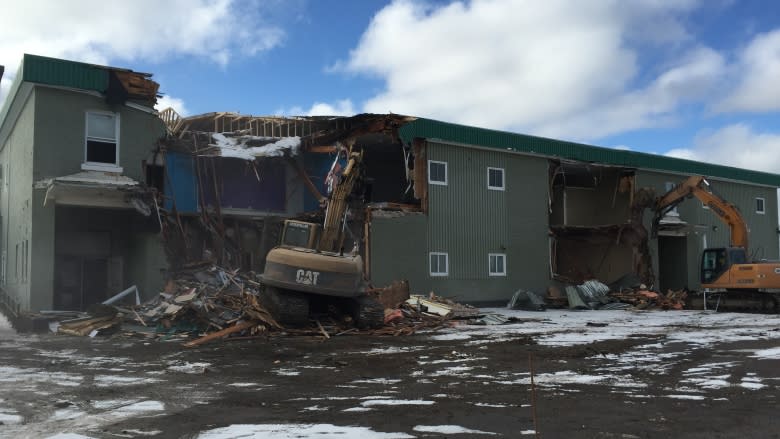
[688,78]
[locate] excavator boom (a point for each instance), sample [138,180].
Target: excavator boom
[727,212]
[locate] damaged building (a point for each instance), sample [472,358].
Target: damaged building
[468,213]
[465,212]
[75,218]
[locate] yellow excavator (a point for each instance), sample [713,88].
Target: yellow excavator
[310,264]
[737,281]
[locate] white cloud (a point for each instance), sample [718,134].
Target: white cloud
[736,145]
[101,32]
[540,67]
[175,103]
[757,72]
[342,107]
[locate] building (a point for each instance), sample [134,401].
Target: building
[75,223]
[471,213]
[99,192]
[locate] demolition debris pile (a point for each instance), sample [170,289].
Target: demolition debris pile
[213,303]
[592,294]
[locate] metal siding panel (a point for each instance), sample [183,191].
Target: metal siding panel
[394,258]
[469,221]
[64,73]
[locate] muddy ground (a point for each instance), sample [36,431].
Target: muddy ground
[611,374]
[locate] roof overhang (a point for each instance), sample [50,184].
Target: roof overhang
[97,190]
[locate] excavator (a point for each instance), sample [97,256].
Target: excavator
[310,264]
[728,275]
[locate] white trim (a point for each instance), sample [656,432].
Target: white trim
[116,138]
[101,167]
[497,273]
[441,183]
[446,271]
[503,179]
[140,107]
[763,205]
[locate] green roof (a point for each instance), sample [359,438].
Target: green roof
[53,71]
[462,134]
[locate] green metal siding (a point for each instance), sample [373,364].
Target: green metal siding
[52,71]
[398,249]
[448,132]
[468,221]
[458,222]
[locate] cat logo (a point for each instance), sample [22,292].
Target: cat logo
[307,277]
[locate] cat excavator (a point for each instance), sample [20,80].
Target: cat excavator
[310,263]
[729,276]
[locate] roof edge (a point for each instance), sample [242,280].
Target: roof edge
[505,140]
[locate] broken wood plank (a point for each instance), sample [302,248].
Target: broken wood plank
[324,332]
[214,335]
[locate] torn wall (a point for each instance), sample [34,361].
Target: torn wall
[226,181]
[596,227]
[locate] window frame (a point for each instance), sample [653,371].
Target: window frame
[503,179]
[497,273]
[763,206]
[446,271]
[102,166]
[446,172]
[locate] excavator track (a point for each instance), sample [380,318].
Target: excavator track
[737,301]
[288,307]
[369,312]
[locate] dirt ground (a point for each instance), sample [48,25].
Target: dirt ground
[608,374]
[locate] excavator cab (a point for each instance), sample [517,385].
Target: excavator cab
[300,234]
[716,261]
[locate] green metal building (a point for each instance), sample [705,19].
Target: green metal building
[508,211]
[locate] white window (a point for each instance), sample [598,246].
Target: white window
[760,206]
[439,264]
[495,179]
[497,264]
[437,172]
[101,149]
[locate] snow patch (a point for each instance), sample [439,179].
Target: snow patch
[113,380]
[385,381]
[375,402]
[448,429]
[187,367]
[767,354]
[286,431]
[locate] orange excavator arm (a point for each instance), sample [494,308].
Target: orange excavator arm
[727,212]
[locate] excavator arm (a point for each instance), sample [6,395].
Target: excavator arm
[337,205]
[727,212]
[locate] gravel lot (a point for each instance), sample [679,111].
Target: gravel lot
[611,374]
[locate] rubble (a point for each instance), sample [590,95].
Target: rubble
[625,293]
[213,303]
[433,304]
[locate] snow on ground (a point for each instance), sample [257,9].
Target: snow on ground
[186,367]
[569,328]
[679,333]
[285,431]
